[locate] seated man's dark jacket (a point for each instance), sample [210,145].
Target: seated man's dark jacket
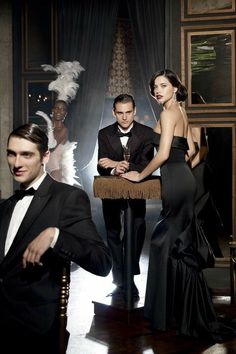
[29,298]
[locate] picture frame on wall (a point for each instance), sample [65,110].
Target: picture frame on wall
[199,10]
[43,32]
[208,67]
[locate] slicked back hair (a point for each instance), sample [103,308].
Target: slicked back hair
[123,98]
[33,133]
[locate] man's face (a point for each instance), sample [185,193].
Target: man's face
[24,161]
[124,114]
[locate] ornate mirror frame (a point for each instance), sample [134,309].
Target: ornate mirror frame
[207,61]
[200,10]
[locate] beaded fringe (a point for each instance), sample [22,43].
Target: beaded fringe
[112,187]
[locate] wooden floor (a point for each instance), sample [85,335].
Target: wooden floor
[102,333]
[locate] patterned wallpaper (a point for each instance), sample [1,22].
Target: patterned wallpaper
[120,80]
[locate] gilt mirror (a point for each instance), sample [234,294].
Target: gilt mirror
[208,67]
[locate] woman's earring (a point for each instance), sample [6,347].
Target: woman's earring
[174,97]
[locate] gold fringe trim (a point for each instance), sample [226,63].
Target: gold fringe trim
[113,187]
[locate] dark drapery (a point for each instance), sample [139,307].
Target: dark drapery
[148,24]
[86,30]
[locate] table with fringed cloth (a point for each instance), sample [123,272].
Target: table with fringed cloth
[114,187]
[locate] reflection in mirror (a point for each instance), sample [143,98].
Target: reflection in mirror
[212,168]
[211,64]
[38,31]
[197,98]
[209,6]
[38,99]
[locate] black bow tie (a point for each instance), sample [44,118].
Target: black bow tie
[120,134]
[21,193]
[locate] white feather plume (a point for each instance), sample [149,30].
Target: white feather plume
[51,139]
[68,168]
[65,85]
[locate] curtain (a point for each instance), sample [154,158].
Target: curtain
[148,24]
[86,30]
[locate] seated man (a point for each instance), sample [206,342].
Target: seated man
[43,227]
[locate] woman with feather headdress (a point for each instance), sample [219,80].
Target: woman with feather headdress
[61,165]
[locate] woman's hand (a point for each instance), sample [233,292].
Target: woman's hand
[133,176]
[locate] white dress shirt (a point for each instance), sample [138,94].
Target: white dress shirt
[18,214]
[123,140]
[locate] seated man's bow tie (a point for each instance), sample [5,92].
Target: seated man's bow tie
[120,134]
[21,193]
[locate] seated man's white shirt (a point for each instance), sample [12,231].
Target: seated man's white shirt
[18,215]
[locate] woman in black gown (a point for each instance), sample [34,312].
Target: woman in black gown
[177,295]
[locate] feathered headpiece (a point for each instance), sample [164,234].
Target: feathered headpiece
[65,85]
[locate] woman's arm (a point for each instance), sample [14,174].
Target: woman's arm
[167,127]
[200,140]
[191,145]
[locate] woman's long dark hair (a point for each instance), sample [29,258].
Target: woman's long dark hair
[173,78]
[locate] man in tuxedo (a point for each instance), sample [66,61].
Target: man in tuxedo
[43,227]
[125,132]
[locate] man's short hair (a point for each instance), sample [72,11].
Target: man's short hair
[123,98]
[33,133]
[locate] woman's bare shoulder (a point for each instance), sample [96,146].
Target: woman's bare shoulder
[169,114]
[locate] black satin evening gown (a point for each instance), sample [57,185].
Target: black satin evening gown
[177,296]
[206,211]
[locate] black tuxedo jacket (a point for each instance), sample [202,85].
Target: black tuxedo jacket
[140,143]
[29,298]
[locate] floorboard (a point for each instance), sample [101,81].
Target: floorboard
[99,333]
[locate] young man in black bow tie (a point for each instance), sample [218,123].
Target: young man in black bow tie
[40,234]
[125,132]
